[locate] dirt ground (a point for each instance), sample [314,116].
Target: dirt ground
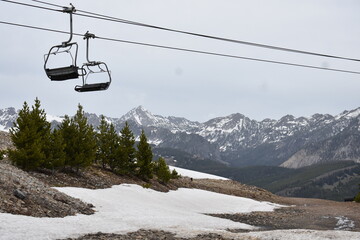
[304,213]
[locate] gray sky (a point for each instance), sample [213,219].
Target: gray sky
[190,85]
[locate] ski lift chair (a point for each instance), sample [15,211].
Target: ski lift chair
[91,68]
[62,73]
[67,72]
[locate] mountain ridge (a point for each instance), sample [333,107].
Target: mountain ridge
[240,141]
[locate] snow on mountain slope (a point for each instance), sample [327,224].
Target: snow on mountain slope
[7,117]
[143,117]
[194,174]
[125,208]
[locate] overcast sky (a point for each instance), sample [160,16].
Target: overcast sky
[195,86]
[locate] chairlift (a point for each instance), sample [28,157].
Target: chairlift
[67,72]
[90,68]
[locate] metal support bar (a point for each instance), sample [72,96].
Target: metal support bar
[69,10]
[88,35]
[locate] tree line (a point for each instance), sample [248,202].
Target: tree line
[75,145]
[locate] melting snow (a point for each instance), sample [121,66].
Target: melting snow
[196,175]
[344,223]
[126,208]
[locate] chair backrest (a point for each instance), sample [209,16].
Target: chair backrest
[63,72]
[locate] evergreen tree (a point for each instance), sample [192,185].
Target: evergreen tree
[114,146]
[144,157]
[55,151]
[80,140]
[108,144]
[174,174]
[162,170]
[126,153]
[85,141]
[102,142]
[30,135]
[68,133]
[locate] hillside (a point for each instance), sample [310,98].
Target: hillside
[333,181]
[310,214]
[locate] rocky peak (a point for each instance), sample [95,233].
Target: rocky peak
[8,111]
[141,116]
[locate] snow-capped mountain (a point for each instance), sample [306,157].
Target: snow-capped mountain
[7,117]
[143,117]
[239,140]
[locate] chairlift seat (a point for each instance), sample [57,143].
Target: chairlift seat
[92,87]
[63,73]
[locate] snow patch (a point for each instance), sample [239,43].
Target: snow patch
[344,223]
[51,118]
[196,175]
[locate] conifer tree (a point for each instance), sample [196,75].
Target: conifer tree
[80,140]
[85,141]
[68,133]
[144,157]
[108,144]
[162,171]
[102,143]
[174,174]
[55,151]
[126,152]
[30,135]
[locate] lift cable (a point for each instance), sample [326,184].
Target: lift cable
[47,3]
[124,21]
[185,49]
[31,5]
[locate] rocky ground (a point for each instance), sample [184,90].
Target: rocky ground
[23,194]
[5,141]
[151,235]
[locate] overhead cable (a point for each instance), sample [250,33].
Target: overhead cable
[31,5]
[124,21]
[185,49]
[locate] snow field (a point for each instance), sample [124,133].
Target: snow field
[127,208]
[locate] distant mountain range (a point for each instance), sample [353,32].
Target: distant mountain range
[240,141]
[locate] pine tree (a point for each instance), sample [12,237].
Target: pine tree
[102,142]
[30,135]
[55,152]
[126,152]
[68,133]
[174,174]
[162,170]
[85,141]
[108,144]
[144,157]
[80,140]
[114,146]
